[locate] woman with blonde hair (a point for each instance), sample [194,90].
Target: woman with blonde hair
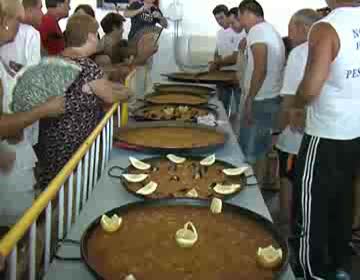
[61,137]
[16,161]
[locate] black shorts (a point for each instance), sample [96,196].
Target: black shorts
[287,165]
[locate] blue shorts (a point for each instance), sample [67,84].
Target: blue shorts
[224,95]
[255,140]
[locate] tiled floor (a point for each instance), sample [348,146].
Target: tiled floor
[272,201]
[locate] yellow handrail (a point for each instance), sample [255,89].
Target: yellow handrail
[125,106]
[16,233]
[31,215]
[124,114]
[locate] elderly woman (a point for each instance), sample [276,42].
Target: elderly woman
[61,137]
[16,161]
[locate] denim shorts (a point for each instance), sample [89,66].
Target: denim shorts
[255,140]
[224,95]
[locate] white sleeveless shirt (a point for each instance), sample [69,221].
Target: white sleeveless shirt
[335,113]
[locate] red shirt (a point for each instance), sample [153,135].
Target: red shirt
[52,38]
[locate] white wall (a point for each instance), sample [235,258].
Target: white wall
[198,13]
[198,18]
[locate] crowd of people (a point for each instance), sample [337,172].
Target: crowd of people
[300,95]
[35,145]
[301,91]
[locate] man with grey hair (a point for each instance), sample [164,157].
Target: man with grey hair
[289,140]
[329,154]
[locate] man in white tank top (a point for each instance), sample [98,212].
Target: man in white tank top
[330,152]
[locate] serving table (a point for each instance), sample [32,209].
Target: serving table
[109,193]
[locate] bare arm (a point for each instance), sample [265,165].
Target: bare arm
[141,58]
[227,60]
[110,92]
[287,117]
[117,72]
[324,46]
[259,52]
[146,48]
[11,124]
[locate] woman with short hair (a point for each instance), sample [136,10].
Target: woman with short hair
[61,137]
[85,10]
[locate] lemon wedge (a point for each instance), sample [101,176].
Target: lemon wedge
[192,193]
[130,277]
[176,159]
[269,257]
[169,110]
[210,160]
[226,189]
[187,236]
[135,178]
[235,171]
[138,164]
[148,189]
[216,205]
[183,109]
[110,224]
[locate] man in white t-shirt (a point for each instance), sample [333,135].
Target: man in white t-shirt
[265,61]
[289,140]
[227,42]
[229,59]
[329,158]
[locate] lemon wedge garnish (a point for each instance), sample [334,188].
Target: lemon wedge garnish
[138,164]
[130,277]
[169,110]
[110,224]
[135,178]
[176,159]
[226,189]
[183,109]
[235,171]
[148,189]
[216,205]
[192,193]
[210,160]
[187,236]
[269,257]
